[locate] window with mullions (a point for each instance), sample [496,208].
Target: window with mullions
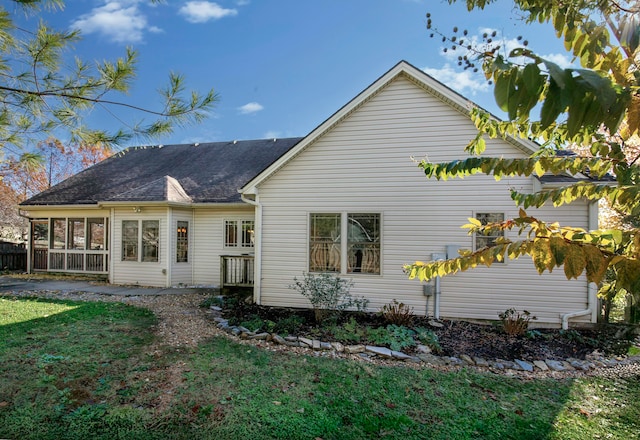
[130,240]
[363,243]
[182,242]
[482,240]
[324,243]
[239,233]
[150,240]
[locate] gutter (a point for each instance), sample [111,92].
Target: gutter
[257,270]
[592,288]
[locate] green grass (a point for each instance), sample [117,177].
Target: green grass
[86,370]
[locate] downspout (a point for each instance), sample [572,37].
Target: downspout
[592,288]
[257,269]
[29,238]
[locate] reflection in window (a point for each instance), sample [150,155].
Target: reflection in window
[230,233]
[182,242]
[247,233]
[363,243]
[150,240]
[324,243]
[130,240]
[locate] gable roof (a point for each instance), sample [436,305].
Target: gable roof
[403,68]
[198,173]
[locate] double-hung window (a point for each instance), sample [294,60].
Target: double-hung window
[360,253]
[140,240]
[182,242]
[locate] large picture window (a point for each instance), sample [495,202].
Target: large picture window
[329,253]
[143,236]
[239,233]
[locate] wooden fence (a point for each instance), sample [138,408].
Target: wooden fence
[13,256]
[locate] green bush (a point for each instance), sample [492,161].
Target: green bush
[328,294]
[428,338]
[397,313]
[395,337]
[350,331]
[289,325]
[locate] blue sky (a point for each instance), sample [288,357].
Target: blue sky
[281,67]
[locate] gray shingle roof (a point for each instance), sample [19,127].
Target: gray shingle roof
[202,173]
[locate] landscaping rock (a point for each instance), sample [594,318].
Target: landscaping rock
[481,362]
[379,351]
[291,338]
[401,356]
[215,308]
[353,349]
[452,360]
[436,324]
[325,346]
[259,336]
[219,319]
[278,339]
[315,344]
[305,341]
[431,359]
[555,365]
[541,365]
[526,366]
[467,359]
[568,366]
[423,349]
[337,346]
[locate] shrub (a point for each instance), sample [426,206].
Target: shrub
[289,325]
[428,338]
[350,331]
[515,323]
[397,313]
[395,337]
[328,294]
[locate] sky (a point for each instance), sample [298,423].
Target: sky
[281,67]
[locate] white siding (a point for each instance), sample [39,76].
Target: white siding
[208,242]
[181,273]
[139,273]
[364,165]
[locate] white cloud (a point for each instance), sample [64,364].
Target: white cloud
[251,107]
[462,81]
[203,11]
[120,21]
[272,134]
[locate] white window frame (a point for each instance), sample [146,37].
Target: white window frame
[475,236]
[182,240]
[140,242]
[344,243]
[240,242]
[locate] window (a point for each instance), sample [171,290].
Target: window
[150,240]
[59,232]
[364,243]
[362,248]
[76,233]
[239,233]
[482,240]
[324,243]
[129,240]
[182,242]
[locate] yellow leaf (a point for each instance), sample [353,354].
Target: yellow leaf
[574,262]
[596,263]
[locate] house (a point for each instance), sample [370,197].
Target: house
[346,199]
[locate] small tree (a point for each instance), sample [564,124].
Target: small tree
[596,107]
[328,294]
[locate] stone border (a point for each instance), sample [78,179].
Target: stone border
[593,361]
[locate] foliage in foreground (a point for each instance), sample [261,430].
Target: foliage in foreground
[594,109]
[56,384]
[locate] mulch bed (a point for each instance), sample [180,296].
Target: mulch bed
[460,337]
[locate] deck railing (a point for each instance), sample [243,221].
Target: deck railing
[236,270]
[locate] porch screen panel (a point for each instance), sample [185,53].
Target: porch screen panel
[96,230]
[324,243]
[58,233]
[76,233]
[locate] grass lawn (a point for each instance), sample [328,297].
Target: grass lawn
[75,370]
